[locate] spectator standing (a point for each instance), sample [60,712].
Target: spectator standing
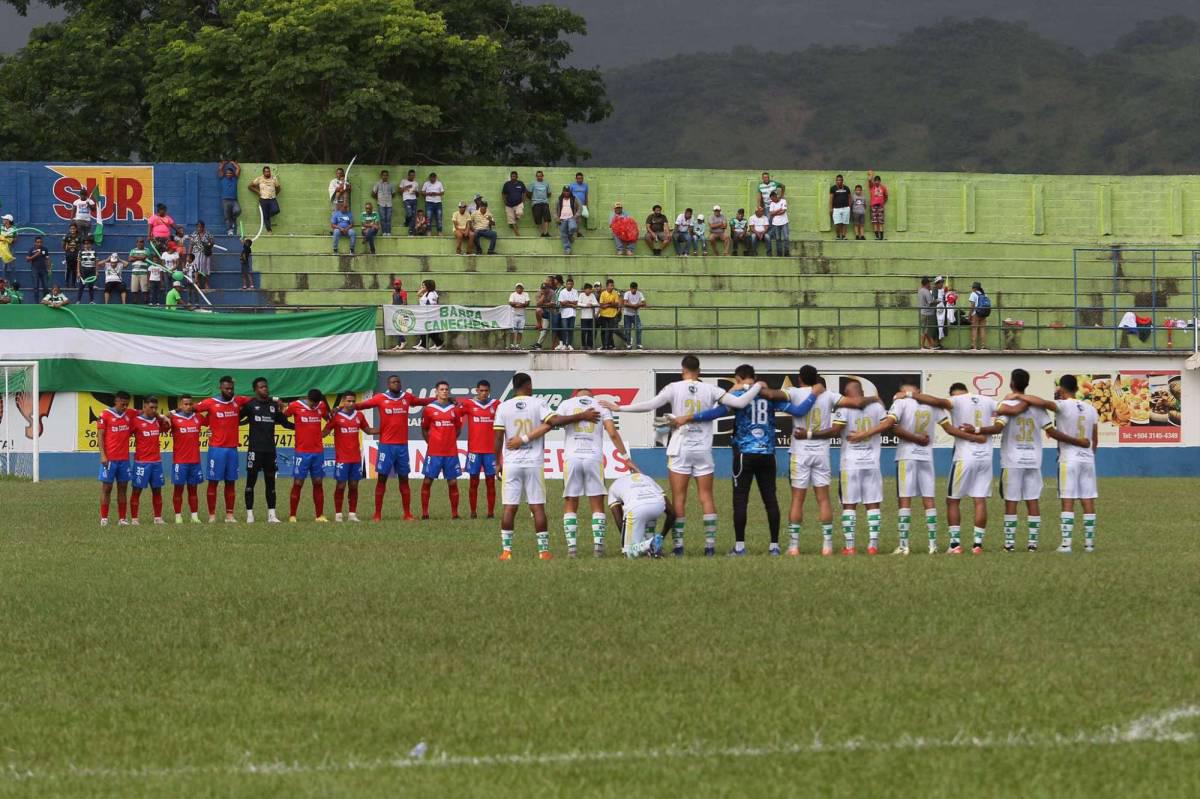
[229,171]
[518,301]
[85,213]
[879,198]
[624,230]
[113,282]
[161,226]
[739,233]
[382,192]
[339,190]
[858,213]
[461,223]
[341,223]
[658,230]
[839,206]
[568,218]
[780,231]
[155,269]
[421,223]
[38,259]
[544,312]
[610,307]
[189,271]
[927,309]
[399,297]
[581,192]
[369,220]
[87,271]
[267,187]
[139,272]
[428,296]
[483,224]
[513,192]
[981,308]
[568,301]
[539,198]
[632,303]
[8,235]
[170,259]
[71,243]
[556,327]
[760,231]
[699,236]
[943,308]
[408,195]
[433,191]
[718,231]
[766,186]
[683,232]
[202,248]
[588,305]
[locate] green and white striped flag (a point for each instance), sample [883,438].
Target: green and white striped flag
[147,350]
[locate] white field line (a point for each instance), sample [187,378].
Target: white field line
[1151,728]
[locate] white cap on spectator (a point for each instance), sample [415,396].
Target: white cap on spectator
[716,208]
[8,217]
[520,285]
[177,284]
[939,279]
[113,257]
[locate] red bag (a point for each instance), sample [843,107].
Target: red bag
[625,229]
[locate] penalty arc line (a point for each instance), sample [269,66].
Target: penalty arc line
[1151,728]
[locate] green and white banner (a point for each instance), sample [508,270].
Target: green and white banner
[419,320]
[147,350]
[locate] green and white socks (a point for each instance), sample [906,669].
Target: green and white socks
[874,517]
[904,525]
[677,533]
[571,530]
[506,539]
[955,535]
[1010,531]
[710,530]
[794,534]
[849,523]
[931,525]
[599,527]
[1035,530]
[979,531]
[543,541]
[1067,521]
[1089,531]
[827,535]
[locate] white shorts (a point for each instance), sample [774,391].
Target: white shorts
[1077,480]
[518,320]
[915,479]
[809,470]
[692,462]
[639,528]
[583,479]
[970,479]
[861,486]
[841,216]
[527,481]
[1019,485]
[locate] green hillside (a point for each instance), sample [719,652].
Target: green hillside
[977,96]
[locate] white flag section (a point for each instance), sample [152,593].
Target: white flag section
[419,320]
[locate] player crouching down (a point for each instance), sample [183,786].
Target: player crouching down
[637,502]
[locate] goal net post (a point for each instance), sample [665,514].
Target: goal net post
[20,422]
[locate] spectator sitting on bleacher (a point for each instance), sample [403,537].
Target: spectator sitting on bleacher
[229,171]
[580,191]
[161,226]
[8,235]
[760,231]
[718,231]
[483,225]
[433,190]
[339,189]
[624,230]
[267,187]
[113,282]
[513,191]
[658,230]
[6,297]
[739,232]
[71,243]
[370,226]
[381,192]
[683,232]
[85,213]
[421,223]
[408,195]
[461,223]
[568,218]
[539,199]
[55,299]
[779,225]
[341,223]
[699,236]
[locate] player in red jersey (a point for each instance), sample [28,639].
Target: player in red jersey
[480,412]
[148,427]
[222,413]
[185,460]
[440,422]
[393,407]
[346,425]
[113,430]
[309,414]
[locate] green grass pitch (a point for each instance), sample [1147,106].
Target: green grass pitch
[309,660]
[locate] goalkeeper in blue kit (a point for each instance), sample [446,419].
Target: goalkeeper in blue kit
[753,451]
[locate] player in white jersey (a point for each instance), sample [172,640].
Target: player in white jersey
[913,423]
[583,466]
[1078,422]
[637,502]
[689,452]
[809,465]
[1021,461]
[972,420]
[861,480]
[523,466]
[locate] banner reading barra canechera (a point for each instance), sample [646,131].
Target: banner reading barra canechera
[419,320]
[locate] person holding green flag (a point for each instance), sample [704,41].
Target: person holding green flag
[8,234]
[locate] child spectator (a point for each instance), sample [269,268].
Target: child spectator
[420,224]
[739,232]
[247,263]
[71,243]
[190,275]
[154,278]
[858,212]
[87,271]
[39,263]
[399,297]
[55,299]
[879,198]
[699,236]
[370,226]
[113,282]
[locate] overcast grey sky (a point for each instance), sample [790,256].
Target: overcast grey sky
[624,32]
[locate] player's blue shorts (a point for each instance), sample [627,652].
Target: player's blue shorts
[481,460]
[444,465]
[347,472]
[147,474]
[308,464]
[223,463]
[393,459]
[115,472]
[186,474]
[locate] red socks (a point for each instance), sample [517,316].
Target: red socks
[212,498]
[406,496]
[491,495]
[156,500]
[193,499]
[230,497]
[425,487]
[295,498]
[338,493]
[380,493]
[135,499]
[177,497]
[473,494]
[319,498]
[121,506]
[353,497]
[103,510]
[453,499]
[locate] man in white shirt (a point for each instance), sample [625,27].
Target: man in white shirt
[382,193]
[589,305]
[518,301]
[780,232]
[523,466]
[760,231]
[861,480]
[85,214]
[689,453]
[637,502]
[632,303]
[339,189]
[568,298]
[433,190]
[914,424]
[683,232]
[1021,461]
[1079,423]
[408,195]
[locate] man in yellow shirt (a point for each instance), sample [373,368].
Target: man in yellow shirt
[460,221]
[267,187]
[482,225]
[610,307]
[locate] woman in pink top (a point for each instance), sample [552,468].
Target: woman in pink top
[161,225]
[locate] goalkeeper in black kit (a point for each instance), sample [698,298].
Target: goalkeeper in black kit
[262,413]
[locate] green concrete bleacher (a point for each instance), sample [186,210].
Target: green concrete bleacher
[1018,235]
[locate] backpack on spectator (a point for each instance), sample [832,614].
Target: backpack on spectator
[983,306]
[625,228]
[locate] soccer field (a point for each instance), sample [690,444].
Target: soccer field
[310,660]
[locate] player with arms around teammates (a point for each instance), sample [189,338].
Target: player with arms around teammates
[148,427]
[914,424]
[480,414]
[309,413]
[114,428]
[441,420]
[347,424]
[689,453]
[185,457]
[393,406]
[223,413]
